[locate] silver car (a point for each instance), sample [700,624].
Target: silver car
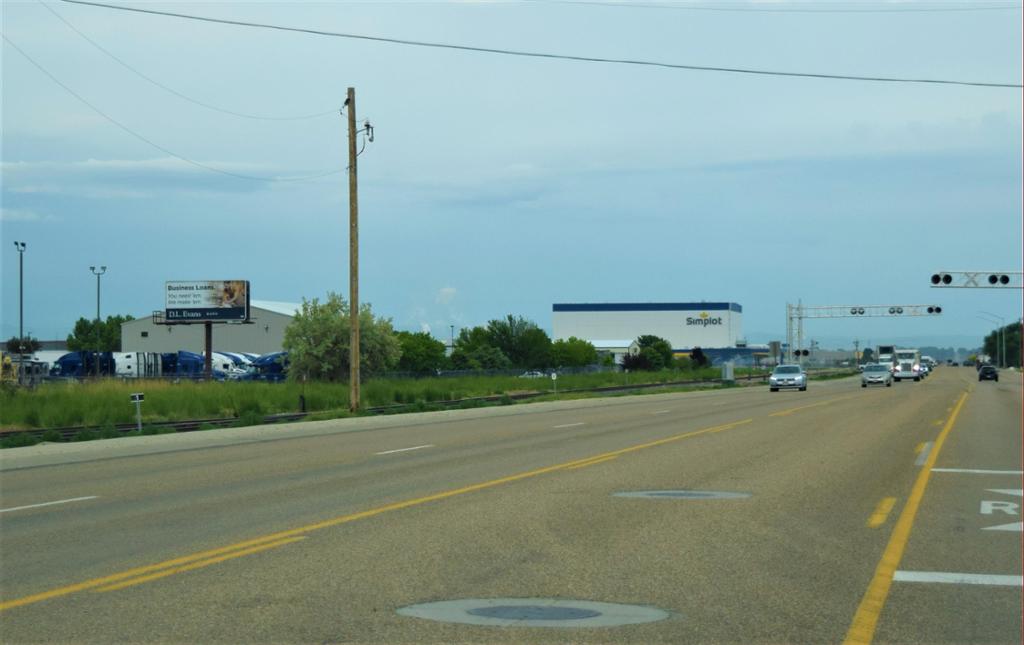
[876,374]
[787,376]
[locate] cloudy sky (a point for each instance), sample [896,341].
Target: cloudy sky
[501,184]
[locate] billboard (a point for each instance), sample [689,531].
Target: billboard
[204,300]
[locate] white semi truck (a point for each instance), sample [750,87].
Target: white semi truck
[908,364]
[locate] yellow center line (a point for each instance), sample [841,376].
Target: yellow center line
[919,448]
[881,512]
[198,565]
[593,462]
[108,581]
[783,413]
[862,629]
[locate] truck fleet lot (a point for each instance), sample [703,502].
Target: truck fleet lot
[840,513]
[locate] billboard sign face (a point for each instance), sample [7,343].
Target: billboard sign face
[206,300]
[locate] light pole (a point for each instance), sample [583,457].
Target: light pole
[451,347]
[20,246]
[1001,350]
[96,273]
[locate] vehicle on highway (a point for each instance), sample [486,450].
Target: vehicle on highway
[988,373]
[907,364]
[788,376]
[876,374]
[532,374]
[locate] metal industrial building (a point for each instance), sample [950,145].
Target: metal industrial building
[715,326]
[263,335]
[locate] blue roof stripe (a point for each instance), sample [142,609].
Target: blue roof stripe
[650,306]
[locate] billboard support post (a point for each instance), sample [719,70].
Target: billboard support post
[208,353]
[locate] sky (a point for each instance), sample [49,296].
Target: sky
[501,184]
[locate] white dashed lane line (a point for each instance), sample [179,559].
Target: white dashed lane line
[391,452]
[60,501]
[569,425]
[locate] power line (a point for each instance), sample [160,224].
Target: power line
[513,52]
[159,147]
[175,92]
[754,9]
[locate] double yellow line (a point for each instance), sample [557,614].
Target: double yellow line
[201,559]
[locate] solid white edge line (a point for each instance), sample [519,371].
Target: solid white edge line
[923,457]
[389,452]
[978,472]
[569,425]
[661,412]
[60,501]
[944,577]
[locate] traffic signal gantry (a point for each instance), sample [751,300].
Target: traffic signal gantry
[795,315]
[978,280]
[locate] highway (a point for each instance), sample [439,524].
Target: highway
[887,515]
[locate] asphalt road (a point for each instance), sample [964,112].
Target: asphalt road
[877,515]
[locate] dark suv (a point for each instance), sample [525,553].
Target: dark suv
[988,373]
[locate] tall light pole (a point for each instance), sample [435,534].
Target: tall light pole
[96,273]
[452,346]
[1001,349]
[20,246]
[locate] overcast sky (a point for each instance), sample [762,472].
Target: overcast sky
[499,184]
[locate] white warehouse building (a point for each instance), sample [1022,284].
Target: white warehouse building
[684,325]
[263,335]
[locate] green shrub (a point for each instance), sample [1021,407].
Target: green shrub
[18,440]
[85,434]
[109,432]
[52,436]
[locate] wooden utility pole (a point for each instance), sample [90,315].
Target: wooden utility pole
[353,255]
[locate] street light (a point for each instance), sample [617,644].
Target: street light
[1002,337]
[20,246]
[451,347]
[1000,350]
[96,273]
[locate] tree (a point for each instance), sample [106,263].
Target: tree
[654,353]
[521,340]
[698,358]
[421,352]
[993,345]
[572,352]
[867,356]
[106,337]
[318,341]
[659,351]
[25,345]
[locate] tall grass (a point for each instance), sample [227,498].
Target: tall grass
[105,403]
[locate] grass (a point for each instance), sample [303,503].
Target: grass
[102,405]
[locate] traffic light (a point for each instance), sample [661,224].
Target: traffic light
[995,279]
[856,311]
[934,309]
[942,278]
[895,310]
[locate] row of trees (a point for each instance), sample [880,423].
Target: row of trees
[87,335]
[317,341]
[1010,335]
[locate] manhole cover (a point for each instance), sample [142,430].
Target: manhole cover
[684,494]
[534,612]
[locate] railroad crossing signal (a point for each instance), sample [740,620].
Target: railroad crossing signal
[978,280]
[865,311]
[796,314]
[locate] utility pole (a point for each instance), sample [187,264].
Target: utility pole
[353,255]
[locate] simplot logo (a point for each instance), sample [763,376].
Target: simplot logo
[704,320]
